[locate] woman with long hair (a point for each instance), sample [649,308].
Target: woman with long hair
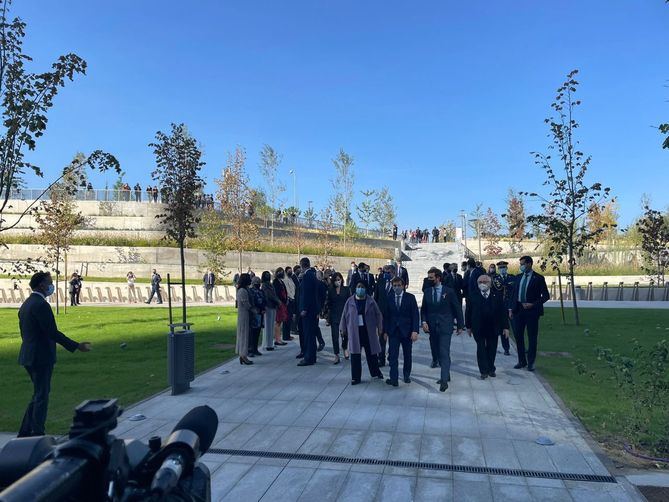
[282,309]
[270,310]
[334,307]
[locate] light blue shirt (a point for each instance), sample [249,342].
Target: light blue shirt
[527,276]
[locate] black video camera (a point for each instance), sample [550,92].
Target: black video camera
[93,465]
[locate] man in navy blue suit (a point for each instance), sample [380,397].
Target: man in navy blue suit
[526,305]
[311,299]
[400,327]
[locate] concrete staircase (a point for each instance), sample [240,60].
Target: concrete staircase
[424,256]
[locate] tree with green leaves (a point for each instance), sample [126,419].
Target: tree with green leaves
[178,165]
[212,239]
[367,208]
[269,168]
[235,194]
[57,218]
[570,197]
[325,229]
[25,100]
[342,185]
[310,216]
[654,230]
[384,210]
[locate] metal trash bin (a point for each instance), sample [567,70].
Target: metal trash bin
[180,357]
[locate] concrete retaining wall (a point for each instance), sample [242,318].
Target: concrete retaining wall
[108,261]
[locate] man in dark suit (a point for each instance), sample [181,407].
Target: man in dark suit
[155,287]
[486,318]
[439,308]
[209,281]
[383,289]
[474,271]
[311,299]
[526,306]
[39,336]
[363,275]
[503,282]
[455,281]
[400,327]
[351,271]
[402,273]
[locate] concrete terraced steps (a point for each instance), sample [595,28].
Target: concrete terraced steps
[426,255]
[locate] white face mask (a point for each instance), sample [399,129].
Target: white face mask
[483,287]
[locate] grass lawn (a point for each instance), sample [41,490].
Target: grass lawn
[129,374]
[595,401]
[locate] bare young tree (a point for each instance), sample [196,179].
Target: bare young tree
[515,215]
[367,208]
[235,194]
[269,167]
[342,184]
[384,210]
[178,165]
[25,99]
[569,198]
[490,229]
[325,240]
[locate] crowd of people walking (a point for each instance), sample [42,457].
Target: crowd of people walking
[375,314]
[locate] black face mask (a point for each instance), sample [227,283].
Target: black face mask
[289,272]
[279,275]
[431,282]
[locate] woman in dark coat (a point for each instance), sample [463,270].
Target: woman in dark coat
[362,321]
[244,307]
[334,307]
[282,309]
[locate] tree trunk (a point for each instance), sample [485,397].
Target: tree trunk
[67,290]
[271,232]
[573,287]
[57,280]
[561,299]
[183,279]
[240,262]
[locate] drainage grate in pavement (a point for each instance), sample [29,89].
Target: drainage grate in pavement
[493,471]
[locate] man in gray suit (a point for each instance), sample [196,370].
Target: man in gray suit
[440,306]
[155,287]
[39,335]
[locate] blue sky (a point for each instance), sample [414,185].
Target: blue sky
[440,100]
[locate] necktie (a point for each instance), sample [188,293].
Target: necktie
[398,301]
[523,288]
[435,295]
[387,287]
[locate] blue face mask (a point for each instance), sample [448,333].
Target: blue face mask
[360,292]
[386,276]
[523,268]
[51,289]
[502,270]
[398,290]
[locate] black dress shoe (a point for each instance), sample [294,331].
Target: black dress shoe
[355,382]
[321,346]
[483,376]
[519,366]
[434,364]
[304,363]
[443,387]
[299,356]
[251,354]
[280,343]
[379,375]
[407,380]
[269,348]
[530,367]
[256,353]
[392,382]
[493,374]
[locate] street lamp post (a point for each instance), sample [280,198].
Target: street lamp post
[463,215]
[292,171]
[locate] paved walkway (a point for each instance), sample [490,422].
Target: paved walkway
[276,406]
